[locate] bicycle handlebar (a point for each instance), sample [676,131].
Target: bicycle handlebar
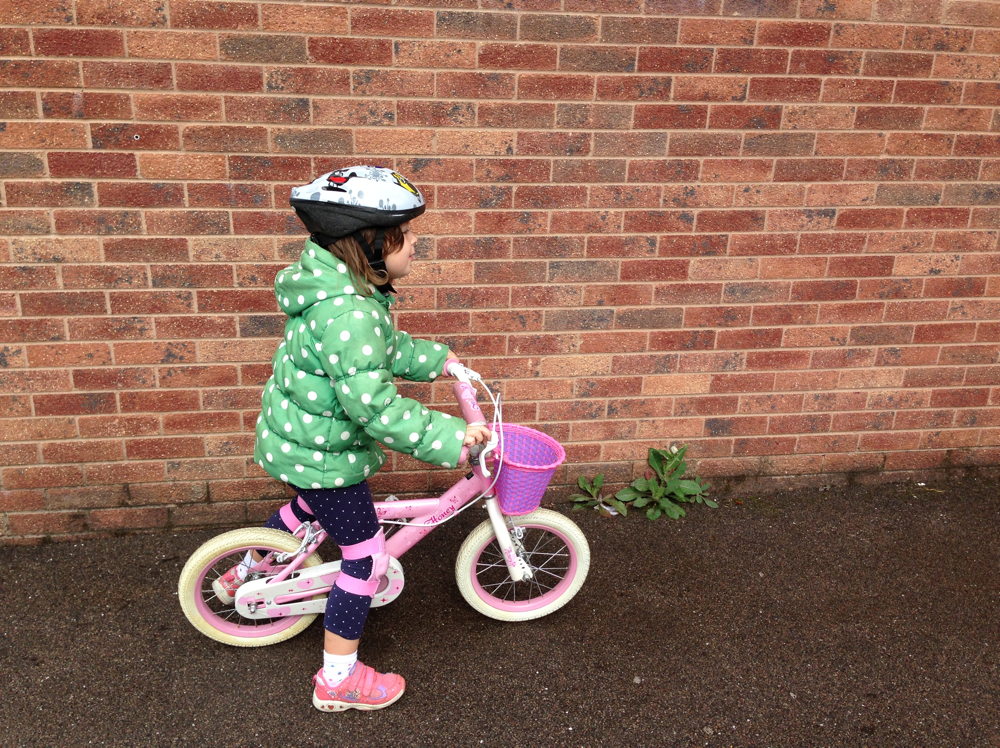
[465,393]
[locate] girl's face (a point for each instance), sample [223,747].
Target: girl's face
[399,262]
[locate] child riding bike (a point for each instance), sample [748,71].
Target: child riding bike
[331,400]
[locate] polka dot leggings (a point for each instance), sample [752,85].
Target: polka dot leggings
[348,516]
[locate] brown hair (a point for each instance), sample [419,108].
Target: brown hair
[348,250]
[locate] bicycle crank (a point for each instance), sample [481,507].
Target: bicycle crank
[295,596]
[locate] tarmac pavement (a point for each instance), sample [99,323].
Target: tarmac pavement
[859,616]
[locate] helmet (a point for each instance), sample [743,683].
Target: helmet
[345,201]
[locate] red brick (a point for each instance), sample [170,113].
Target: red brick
[793,34]
[518,56]
[316,80]
[142,75]
[785,89]
[552,86]
[208,14]
[716,32]
[857,90]
[745,117]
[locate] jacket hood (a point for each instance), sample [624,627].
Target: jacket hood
[317,276]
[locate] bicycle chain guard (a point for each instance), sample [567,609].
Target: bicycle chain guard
[258,600]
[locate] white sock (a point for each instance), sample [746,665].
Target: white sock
[248,563]
[336,668]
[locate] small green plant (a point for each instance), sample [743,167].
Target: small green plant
[606,505]
[664,487]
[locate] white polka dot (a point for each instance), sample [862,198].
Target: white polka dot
[334,358]
[367,469]
[312,396]
[385,420]
[373,375]
[285,301]
[433,375]
[378,331]
[312,325]
[302,299]
[445,415]
[339,482]
[317,456]
[387,401]
[287,381]
[286,447]
[366,398]
[414,437]
[346,435]
[320,440]
[296,276]
[389,349]
[422,359]
[300,468]
[327,413]
[317,273]
[437,347]
[352,371]
[436,445]
[284,404]
[406,416]
[264,433]
[429,427]
[321,295]
[460,434]
[348,289]
[358,315]
[345,389]
[283,477]
[351,459]
[345,335]
[446,464]
[288,427]
[316,485]
[259,419]
[306,418]
[366,349]
[341,267]
[399,355]
[389,440]
[303,352]
[300,374]
[318,372]
[269,457]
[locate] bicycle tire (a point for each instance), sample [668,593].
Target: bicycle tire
[225,551]
[550,540]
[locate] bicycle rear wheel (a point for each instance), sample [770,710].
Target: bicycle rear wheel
[554,548]
[222,622]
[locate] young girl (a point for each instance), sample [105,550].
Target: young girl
[331,398]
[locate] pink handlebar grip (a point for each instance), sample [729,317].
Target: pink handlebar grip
[464,457]
[448,363]
[466,397]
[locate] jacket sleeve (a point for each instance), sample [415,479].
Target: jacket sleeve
[418,360]
[354,358]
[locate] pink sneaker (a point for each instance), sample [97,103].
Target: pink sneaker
[225,586]
[362,689]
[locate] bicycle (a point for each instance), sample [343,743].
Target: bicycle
[522,563]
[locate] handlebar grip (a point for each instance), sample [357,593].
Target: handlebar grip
[464,457]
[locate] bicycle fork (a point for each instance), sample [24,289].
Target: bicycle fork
[516,565]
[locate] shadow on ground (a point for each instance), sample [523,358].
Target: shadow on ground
[851,617]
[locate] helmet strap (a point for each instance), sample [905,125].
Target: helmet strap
[374,256]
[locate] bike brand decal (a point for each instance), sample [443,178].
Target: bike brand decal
[443,516]
[510,556]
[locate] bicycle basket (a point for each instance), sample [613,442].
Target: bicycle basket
[528,458]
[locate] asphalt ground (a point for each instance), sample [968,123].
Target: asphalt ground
[857,616]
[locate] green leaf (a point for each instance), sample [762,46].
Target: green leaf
[627,494]
[709,502]
[598,480]
[640,502]
[583,483]
[622,509]
[653,512]
[640,484]
[672,510]
[657,492]
[656,461]
[690,486]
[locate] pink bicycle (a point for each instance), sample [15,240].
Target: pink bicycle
[521,563]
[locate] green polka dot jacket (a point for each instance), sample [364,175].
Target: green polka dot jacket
[331,398]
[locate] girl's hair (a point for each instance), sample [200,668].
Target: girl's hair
[348,250]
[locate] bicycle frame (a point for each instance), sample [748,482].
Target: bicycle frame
[423,515]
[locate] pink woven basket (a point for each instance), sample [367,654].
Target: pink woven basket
[529,459]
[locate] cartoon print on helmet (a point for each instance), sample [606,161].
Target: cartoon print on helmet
[337,179]
[404,183]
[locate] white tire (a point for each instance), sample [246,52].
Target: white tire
[218,621]
[554,547]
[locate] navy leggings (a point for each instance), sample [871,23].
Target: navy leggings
[348,516]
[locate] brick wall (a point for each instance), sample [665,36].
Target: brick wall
[765,228]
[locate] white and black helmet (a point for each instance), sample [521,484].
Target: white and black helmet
[345,201]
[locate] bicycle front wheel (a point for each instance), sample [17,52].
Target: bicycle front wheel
[554,548]
[221,621]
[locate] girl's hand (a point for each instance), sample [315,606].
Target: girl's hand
[476,434]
